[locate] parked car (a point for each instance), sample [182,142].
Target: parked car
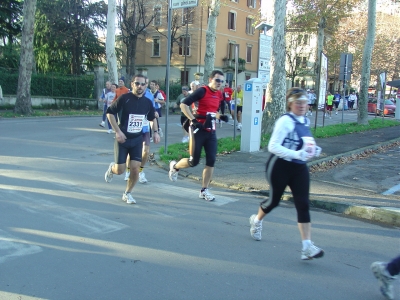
[390,107]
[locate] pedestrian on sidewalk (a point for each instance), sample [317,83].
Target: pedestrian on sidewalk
[104,101]
[291,145]
[202,131]
[387,273]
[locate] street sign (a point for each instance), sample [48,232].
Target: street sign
[183,3]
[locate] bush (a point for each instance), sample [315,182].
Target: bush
[53,85]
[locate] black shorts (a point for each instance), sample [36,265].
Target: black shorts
[183,119]
[133,147]
[240,108]
[336,103]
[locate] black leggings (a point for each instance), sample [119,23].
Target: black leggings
[281,173]
[198,140]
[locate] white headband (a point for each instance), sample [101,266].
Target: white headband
[291,99]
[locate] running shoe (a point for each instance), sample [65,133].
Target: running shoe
[160,132]
[127,174]
[255,228]
[384,278]
[109,174]
[142,177]
[311,252]
[173,173]
[109,131]
[102,124]
[185,139]
[206,195]
[127,197]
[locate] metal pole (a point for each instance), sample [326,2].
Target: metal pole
[167,75]
[344,84]
[236,83]
[185,81]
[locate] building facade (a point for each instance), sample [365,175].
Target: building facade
[235,25]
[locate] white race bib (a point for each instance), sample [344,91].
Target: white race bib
[136,123]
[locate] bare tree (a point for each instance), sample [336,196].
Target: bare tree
[110,42]
[134,18]
[362,117]
[276,90]
[23,104]
[209,57]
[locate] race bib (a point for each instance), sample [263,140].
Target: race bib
[136,123]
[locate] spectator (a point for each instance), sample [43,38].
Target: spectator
[352,100]
[179,100]
[103,99]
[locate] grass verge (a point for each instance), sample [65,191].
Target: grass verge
[227,144]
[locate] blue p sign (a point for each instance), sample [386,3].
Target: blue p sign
[248,87]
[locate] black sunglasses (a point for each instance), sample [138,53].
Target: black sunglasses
[217,80]
[139,83]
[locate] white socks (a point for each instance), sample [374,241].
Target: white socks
[306,244]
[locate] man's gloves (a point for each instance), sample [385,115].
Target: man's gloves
[196,124]
[224,118]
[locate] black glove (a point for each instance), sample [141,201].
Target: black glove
[197,125]
[224,118]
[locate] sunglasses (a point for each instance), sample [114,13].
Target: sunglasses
[217,80]
[139,83]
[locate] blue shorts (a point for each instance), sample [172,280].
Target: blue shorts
[133,147]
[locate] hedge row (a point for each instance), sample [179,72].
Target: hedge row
[64,86]
[51,85]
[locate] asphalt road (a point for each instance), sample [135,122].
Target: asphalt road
[66,234]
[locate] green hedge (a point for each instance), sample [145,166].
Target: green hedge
[51,85]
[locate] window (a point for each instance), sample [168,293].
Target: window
[156,46]
[184,44]
[304,62]
[231,50]
[298,61]
[232,20]
[157,15]
[251,3]
[247,76]
[249,26]
[187,13]
[248,53]
[303,39]
[237,1]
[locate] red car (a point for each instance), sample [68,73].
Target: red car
[390,107]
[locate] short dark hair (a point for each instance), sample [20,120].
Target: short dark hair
[155,82]
[216,72]
[138,76]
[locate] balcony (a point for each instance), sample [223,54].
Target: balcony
[229,64]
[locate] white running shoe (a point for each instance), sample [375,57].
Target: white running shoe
[185,139]
[336,113]
[127,197]
[311,252]
[109,174]
[109,131]
[310,113]
[255,228]
[384,278]
[151,140]
[102,124]
[142,177]
[173,173]
[206,195]
[160,132]
[127,174]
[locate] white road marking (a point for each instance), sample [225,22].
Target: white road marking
[392,190]
[84,222]
[186,192]
[12,247]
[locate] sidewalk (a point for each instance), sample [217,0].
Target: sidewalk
[246,172]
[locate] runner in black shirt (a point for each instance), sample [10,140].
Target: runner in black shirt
[135,111]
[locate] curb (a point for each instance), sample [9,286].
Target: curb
[385,215]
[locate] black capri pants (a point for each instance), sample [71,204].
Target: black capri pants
[198,140]
[280,174]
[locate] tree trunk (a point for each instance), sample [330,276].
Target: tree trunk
[130,56]
[276,90]
[362,117]
[209,57]
[110,42]
[23,104]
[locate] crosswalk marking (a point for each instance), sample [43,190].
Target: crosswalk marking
[12,247]
[182,192]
